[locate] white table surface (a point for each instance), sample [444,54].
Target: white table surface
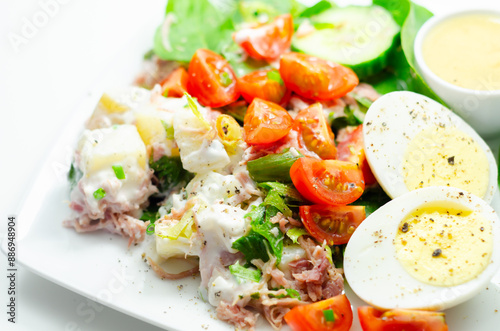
[40,84]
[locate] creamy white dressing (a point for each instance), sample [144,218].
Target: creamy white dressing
[100,150]
[213,186]
[200,149]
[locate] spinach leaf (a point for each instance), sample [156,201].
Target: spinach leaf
[190,25]
[316,8]
[402,73]
[398,8]
[253,246]
[169,172]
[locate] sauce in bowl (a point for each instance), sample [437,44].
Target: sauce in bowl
[465,51]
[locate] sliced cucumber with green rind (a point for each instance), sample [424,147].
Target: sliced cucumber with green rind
[360,37]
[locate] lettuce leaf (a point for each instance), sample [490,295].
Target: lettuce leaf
[244,274]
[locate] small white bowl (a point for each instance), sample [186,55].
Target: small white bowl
[480,108]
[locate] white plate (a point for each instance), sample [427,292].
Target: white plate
[99,265]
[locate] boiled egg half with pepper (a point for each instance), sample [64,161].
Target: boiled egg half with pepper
[412,141]
[431,248]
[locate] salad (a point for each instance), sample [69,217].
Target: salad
[263,143]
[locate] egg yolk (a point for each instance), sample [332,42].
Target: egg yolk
[445,156]
[444,246]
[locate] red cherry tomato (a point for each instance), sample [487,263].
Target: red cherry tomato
[211,79]
[316,134]
[263,84]
[351,149]
[315,78]
[399,319]
[175,85]
[266,122]
[268,41]
[335,224]
[327,182]
[317,316]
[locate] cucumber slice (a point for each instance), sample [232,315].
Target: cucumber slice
[358,37]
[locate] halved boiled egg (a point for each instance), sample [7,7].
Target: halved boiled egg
[412,142]
[431,248]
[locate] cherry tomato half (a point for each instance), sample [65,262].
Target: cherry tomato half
[263,84]
[268,41]
[335,224]
[327,182]
[211,79]
[400,319]
[314,316]
[351,149]
[317,136]
[315,78]
[175,84]
[266,122]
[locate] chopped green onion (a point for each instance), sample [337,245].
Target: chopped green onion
[169,129]
[329,254]
[273,167]
[149,54]
[99,194]
[295,233]
[119,173]
[184,228]
[498,166]
[294,294]
[364,101]
[225,79]
[290,292]
[322,26]
[150,229]
[329,315]
[255,295]
[243,274]
[196,112]
[275,76]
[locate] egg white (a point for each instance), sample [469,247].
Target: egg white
[393,121]
[374,273]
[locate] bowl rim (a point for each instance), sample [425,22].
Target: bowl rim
[423,32]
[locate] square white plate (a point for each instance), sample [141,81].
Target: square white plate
[99,265]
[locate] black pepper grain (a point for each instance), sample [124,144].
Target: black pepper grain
[437,252]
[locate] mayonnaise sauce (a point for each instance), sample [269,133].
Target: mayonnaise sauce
[465,51]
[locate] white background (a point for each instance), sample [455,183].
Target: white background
[41,81]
